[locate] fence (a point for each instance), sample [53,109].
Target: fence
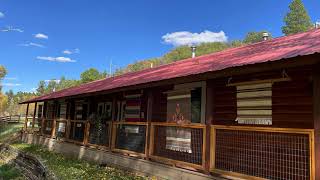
[130,138]
[11,119]
[178,144]
[270,153]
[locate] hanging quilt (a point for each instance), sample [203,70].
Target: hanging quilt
[179,111]
[133,108]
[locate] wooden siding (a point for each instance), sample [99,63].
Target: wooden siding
[159,113]
[291,100]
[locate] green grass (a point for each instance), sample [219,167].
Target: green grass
[6,131]
[62,167]
[71,168]
[8,171]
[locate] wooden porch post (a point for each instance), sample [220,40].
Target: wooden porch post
[209,121]
[69,105]
[149,120]
[53,131]
[34,115]
[26,118]
[113,118]
[43,116]
[316,114]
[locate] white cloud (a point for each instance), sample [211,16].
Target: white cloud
[10,84]
[188,38]
[56,59]
[66,52]
[41,36]
[33,44]
[49,80]
[1,15]
[10,78]
[75,51]
[11,29]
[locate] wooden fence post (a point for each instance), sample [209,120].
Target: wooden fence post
[26,118]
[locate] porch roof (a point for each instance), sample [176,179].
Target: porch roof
[285,47]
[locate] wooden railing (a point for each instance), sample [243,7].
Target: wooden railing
[130,138]
[257,152]
[47,127]
[179,145]
[99,134]
[77,131]
[60,130]
[11,119]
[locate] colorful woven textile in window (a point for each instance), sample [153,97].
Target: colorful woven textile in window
[133,108]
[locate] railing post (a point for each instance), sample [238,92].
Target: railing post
[42,126]
[68,125]
[26,118]
[34,115]
[209,121]
[149,119]
[316,117]
[53,128]
[113,118]
[86,132]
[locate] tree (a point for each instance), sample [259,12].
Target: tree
[41,90]
[254,37]
[297,19]
[66,83]
[91,74]
[3,73]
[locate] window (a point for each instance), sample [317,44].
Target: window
[105,110]
[187,102]
[254,104]
[62,110]
[81,110]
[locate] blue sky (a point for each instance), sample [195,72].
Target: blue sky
[34,33]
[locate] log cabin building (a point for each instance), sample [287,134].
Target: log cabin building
[246,112]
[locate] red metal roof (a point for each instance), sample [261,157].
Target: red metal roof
[276,49]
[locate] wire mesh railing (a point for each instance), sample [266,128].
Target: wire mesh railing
[178,144]
[47,126]
[129,137]
[77,130]
[99,134]
[270,153]
[61,128]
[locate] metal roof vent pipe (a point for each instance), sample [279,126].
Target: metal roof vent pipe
[265,36]
[193,49]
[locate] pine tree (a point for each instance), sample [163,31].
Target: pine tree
[297,19]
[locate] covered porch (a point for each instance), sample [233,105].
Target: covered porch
[258,125]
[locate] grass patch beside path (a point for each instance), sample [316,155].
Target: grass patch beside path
[71,168]
[7,130]
[8,171]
